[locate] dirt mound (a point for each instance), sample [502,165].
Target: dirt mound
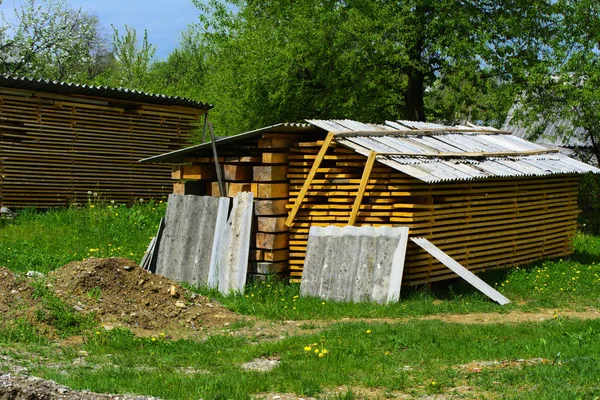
[13,292]
[120,293]
[15,296]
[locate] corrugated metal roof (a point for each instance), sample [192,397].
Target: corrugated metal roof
[554,134]
[429,152]
[432,152]
[43,85]
[178,156]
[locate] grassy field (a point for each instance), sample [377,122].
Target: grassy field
[395,350]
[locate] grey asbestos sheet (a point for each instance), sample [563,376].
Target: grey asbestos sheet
[354,263]
[187,247]
[229,271]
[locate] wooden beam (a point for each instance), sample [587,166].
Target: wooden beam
[460,270]
[222,189]
[311,175]
[475,154]
[362,187]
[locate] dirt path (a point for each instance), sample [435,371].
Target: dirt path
[269,330]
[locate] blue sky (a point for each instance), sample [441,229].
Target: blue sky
[164,20]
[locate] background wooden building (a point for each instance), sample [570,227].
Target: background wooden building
[60,141]
[486,198]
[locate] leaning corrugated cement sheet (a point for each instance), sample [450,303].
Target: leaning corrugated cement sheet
[233,248]
[354,263]
[461,271]
[187,248]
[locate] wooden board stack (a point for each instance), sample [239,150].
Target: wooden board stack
[55,148]
[262,170]
[481,224]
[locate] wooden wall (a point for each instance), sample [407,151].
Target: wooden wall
[56,148]
[482,224]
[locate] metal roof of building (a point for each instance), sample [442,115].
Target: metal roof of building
[430,152]
[560,133]
[436,153]
[179,155]
[43,85]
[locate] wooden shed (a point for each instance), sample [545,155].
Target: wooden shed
[59,141]
[486,198]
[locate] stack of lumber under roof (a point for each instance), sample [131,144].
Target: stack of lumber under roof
[54,148]
[480,223]
[260,166]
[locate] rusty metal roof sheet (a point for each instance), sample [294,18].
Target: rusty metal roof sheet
[44,85]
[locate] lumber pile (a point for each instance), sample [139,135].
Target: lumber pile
[260,166]
[54,149]
[481,224]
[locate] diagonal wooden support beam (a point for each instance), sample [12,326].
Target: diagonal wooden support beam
[461,271]
[309,179]
[362,187]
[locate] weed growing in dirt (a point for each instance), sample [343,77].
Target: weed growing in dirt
[44,241]
[56,313]
[95,293]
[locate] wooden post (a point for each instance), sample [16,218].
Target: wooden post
[363,185]
[222,188]
[311,176]
[204,128]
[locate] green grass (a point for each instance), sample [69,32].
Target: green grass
[417,357]
[44,241]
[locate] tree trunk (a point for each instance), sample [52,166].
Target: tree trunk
[595,147]
[413,98]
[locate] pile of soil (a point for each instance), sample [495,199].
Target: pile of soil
[120,293]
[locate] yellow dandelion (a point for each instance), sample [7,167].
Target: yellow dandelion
[307,348]
[97,332]
[316,351]
[153,339]
[368,331]
[321,355]
[324,351]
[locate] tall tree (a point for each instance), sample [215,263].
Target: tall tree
[133,59]
[49,40]
[274,60]
[565,88]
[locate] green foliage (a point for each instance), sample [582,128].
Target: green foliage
[273,61]
[131,62]
[44,241]
[589,202]
[565,86]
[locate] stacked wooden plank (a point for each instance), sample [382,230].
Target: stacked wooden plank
[55,148]
[481,224]
[259,166]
